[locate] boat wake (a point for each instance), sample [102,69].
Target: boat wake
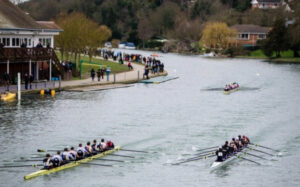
[240,89]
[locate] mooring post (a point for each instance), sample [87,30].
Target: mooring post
[59,83]
[114,78]
[19,86]
[138,75]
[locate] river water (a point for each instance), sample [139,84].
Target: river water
[170,120]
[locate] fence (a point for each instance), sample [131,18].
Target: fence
[35,86]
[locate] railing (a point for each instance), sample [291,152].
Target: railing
[34,86]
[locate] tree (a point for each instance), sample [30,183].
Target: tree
[277,40]
[202,9]
[80,34]
[217,35]
[145,30]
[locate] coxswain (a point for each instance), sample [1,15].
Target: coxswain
[246,139]
[220,155]
[56,159]
[80,151]
[88,148]
[73,154]
[47,162]
[95,147]
[110,145]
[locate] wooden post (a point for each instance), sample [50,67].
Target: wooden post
[50,70]
[138,75]
[7,67]
[114,78]
[37,70]
[59,83]
[30,67]
[19,86]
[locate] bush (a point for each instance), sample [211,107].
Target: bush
[236,51]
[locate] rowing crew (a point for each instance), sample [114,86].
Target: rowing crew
[80,153]
[231,86]
[236,145]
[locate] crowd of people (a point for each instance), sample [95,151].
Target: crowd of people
[231,86]
[61,158]
[229,149]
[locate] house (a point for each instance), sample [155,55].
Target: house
[248,35]
[19,37]
[267,4]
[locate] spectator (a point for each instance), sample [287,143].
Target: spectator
[1,45]
[31,80]
[26,79]
[130,66]
[39,45]
[93,74]
[107,73]
[102,72]
[146,73]
[24,45]
[99,74]
[6,80]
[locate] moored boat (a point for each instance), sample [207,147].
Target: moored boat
[9,96]
[70,164]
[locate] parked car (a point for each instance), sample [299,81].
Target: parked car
[108,45]
[130,45]
[122,45]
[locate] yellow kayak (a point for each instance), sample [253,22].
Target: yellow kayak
[9,96]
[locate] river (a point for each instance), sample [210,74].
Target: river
[170,121]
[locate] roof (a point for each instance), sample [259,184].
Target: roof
[49,25]
[12,17]
[251,28]
[269,1]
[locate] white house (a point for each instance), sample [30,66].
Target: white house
[17,27]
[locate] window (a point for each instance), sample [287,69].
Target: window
[244,36]
[6,41]
[262,36]
[15,42]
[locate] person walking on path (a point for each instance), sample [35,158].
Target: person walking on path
[30,80]
[102,72]
[99,74]
[107,73]
[26,79]
[129,66]
[93,74]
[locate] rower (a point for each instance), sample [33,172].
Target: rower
[47,162]
[56,159]
[81,151]
[225,147]
[246,139]
[101,145]
[88,148]
[110,145]
[65,155]
[233,145]
[219,154]
[95,147]
[73,154]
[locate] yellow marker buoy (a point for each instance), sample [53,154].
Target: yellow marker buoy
[52,93]
[42,92]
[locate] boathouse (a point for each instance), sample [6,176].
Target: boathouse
[26,45]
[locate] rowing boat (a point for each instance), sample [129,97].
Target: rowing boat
[70,165]
[218,164]
[7,97]
[232,90]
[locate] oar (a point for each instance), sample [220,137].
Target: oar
[21,160]
[208,148]
[130,150]
[195,159]
[104,159]
[205,152]
[25,158]
[107,165]
[17,166]
[260,151]
[248,160]
[264,147]
[246,153]
[42,150]
[121,156]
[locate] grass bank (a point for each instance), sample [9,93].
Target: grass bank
[115,67]
[286,57]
